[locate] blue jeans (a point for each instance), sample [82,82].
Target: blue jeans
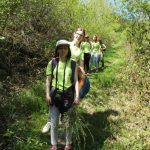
[96,60]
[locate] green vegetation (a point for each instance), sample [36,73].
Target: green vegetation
[115,113]
[108,111]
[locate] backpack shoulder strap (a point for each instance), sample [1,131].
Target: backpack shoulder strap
[73,67]
[54,63]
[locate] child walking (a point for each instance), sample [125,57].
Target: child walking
[78,56]
[61,90]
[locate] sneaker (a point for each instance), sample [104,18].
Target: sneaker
[46,128]
[68,148]
[53,148]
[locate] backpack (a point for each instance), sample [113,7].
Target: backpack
[84,83]
[85,88]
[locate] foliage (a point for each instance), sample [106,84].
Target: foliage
[28,32]
[79,127]
[136,26]
[136,14]
[30,29]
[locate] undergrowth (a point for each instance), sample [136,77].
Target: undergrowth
[114,114]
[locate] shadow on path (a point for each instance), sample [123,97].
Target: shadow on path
[99,126]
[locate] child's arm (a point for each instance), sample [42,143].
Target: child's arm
[48,98]
[104,46]
[82,65]
[76,100]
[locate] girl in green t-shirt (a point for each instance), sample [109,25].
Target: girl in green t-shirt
[86,47]
[77,53]
[103,49]
[95,53]
[61,80]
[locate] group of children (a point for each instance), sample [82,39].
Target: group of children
[93,53]
[62,80]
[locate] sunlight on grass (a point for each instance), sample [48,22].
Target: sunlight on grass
[109,117]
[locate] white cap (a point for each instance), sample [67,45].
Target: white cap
[62,42]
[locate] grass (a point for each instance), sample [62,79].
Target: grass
[111,111]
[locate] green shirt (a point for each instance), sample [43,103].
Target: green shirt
[61,67]
[86,46]
[76,53]
[95,47]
